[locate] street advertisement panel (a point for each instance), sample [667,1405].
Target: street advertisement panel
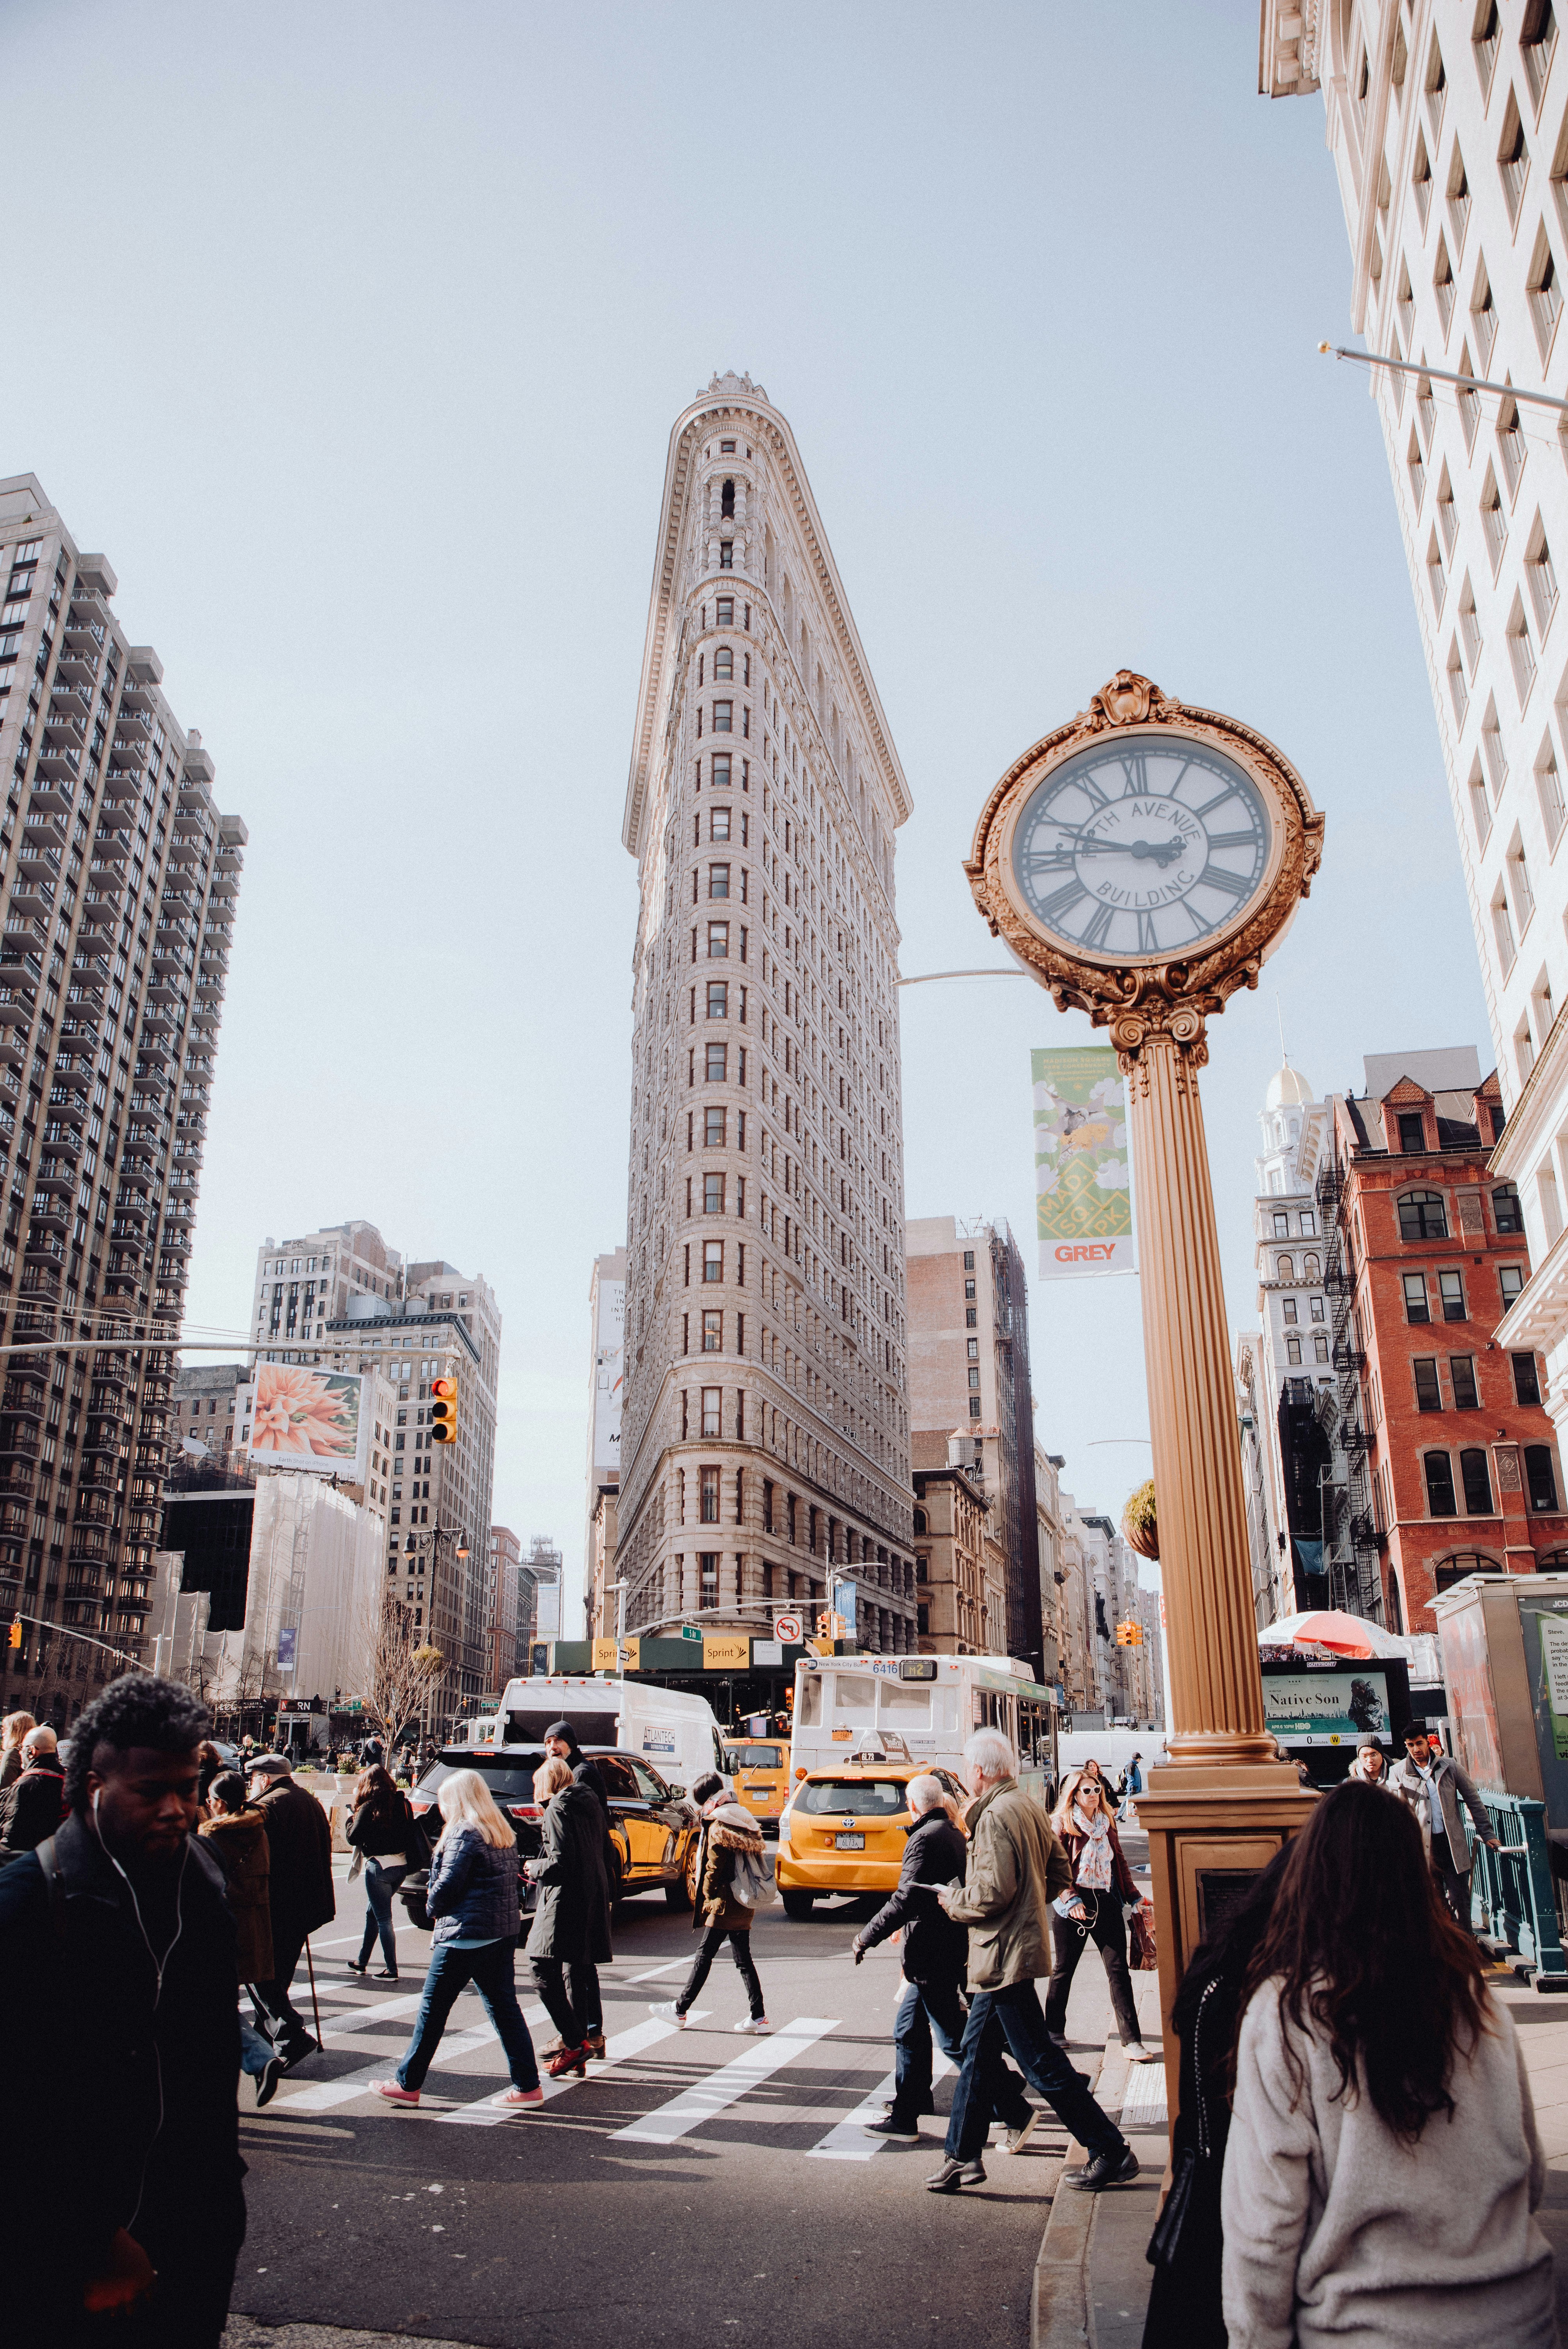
[1543,1622]
[1083,1195]
[316,1423]
[1327,1708]
[1472,1708]
[609,1372]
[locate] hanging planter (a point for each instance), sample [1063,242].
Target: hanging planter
[1139,1522]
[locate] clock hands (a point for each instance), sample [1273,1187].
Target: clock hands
[1163,852]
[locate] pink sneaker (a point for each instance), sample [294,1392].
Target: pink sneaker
[521,2097]
[394,2094]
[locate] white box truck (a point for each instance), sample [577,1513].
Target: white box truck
[678,1734]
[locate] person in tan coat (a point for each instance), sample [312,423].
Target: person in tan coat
[718,1913]
[237,1837]
[1015,1870]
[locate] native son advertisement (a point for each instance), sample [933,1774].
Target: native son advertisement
[1328,1708]
[1083,1196]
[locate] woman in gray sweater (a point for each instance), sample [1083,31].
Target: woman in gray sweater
[1383,2165]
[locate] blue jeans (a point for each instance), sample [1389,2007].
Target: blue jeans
[382,1879]
[929,2010]
[255,2052]
[1014,2015]
[489,1968]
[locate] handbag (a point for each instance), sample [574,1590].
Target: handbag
[1165,2243]
[1146,1951]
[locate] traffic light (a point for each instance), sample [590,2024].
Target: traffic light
[1129,1635]
[443,1411]
[15,1639]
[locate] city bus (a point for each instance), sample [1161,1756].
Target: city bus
[922,1707]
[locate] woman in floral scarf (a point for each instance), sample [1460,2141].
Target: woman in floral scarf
[1103,1890]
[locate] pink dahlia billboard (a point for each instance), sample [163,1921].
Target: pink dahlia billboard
[317,1421]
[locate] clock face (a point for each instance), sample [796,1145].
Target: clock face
[1146,845]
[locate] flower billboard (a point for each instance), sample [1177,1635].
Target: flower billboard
[317,1421]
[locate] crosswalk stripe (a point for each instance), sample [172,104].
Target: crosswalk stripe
[486,2112]
[321,2096]
[728,2085]
[847,2140]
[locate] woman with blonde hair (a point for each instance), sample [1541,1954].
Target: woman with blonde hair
[1102,1896]
[472,1897]
[13,1730]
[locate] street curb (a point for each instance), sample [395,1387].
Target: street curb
[250,2333]
[1060,2315]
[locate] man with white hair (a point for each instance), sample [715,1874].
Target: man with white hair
[935,1959]
[34,1804]
[1015,1870]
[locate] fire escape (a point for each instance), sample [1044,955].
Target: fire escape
[1350,1534]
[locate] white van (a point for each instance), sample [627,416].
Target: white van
[677,1733]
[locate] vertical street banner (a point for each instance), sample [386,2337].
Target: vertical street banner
[1083,1195]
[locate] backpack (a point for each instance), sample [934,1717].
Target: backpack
[752,1881]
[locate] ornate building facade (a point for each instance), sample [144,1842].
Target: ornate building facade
[765,1434]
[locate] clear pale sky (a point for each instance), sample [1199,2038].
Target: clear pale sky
[354,336]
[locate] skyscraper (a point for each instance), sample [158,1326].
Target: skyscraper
[765,1433]
[1448,126]
[119,882]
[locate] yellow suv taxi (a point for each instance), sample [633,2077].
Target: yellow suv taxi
[846,1828]
[759,1767]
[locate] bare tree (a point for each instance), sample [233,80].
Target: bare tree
[404,1666]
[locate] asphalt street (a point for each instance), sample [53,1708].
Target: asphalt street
[699,2186]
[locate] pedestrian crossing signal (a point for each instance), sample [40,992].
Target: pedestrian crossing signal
[444,1411]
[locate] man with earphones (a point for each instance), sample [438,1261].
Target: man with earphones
[120,2200]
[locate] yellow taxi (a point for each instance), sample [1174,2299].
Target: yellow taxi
[846,1828]
[760,1769]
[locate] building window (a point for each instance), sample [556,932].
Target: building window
[1526,1380]
[1281,1224]
[717,941]
[1511,446]
[1513,158]
[1545,295]
[1541,578]
[1428,1394]
[1509,1282]
[1477,1484]
[974,1375]
[712,1402]
[973,1407]
[716,1063]
[713,1259]
[1507,1213]
[1502,931]
[1416,1308]
[1461,1378]
[1443,286]
[1412,1131]
[1549,792]
[1422,1217]
[713,1332]
[1484,37]
[713,1194]
[718,822]
[1439,1484]
[1317,1312]
[718,999]
[723,662]
[1450,1289]
[718,778]
[968,1259]
[1540,1477]
[1293,1349]
[1521,652]
[1320,1349]
[1289,1309]
[724,717]
[970,1317]
[1310,1268]
[1537,41]
[717,882]
[1284,1269]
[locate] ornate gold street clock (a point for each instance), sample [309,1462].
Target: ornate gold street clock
[1144,859]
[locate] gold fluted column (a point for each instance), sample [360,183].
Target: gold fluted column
[1210,1630]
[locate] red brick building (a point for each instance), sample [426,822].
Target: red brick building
[1449,1460]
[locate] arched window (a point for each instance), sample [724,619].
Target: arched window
[1477,1481]
[1309,1270]
[1439,1484]
[1422,1217]
[1506,1210]
[726,500]
[723,661]
[1396,1610]
[1540,1476]
[1285,1269]
[920,1521]
[1462,1562]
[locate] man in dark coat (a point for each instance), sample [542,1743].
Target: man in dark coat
[569,1935]
[34,1804]
[119,2043]
[300,1896]
[935,1959]
[561,1740]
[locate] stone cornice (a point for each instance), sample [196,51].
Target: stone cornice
[773,430]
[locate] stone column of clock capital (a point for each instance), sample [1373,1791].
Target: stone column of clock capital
[1216,1688]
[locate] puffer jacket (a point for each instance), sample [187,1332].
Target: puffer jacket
[1017,1867]
[239,1840]
[727,1831]
[472,1891]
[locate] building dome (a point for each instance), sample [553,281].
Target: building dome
[1288,1089]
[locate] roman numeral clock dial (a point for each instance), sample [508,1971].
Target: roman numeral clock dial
[1143,849]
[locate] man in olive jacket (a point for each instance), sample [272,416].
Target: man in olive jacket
[1017,1867]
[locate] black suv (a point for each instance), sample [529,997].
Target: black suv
[653,1824]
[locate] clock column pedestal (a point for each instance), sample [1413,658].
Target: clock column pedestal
[1219,1808]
